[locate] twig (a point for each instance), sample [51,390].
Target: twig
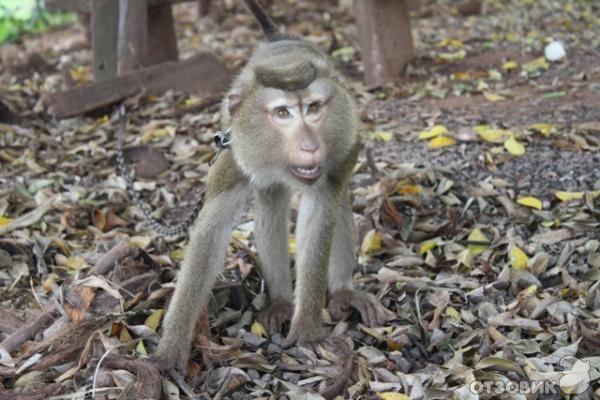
[119,252]
[27,331]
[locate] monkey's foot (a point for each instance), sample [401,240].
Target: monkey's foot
[275,316]
[371,311]
[302,332]
[167,358]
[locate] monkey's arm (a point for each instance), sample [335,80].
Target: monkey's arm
[314,234]
[204,256]
[272,209]
[341,268]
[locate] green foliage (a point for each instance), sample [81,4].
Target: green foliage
[23,16]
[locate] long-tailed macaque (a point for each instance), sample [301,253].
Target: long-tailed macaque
[294,127]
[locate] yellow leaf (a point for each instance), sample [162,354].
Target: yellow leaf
[457,44]
[258,329]
[477,236]
[537,64]
[177,255]
[530,201]
[392,396]
[371,242]
[566,196]
[427,246]
[140,241]
[518,258]
[510,65]
[452,313]
[544,129]
[141,349]
[441,141]
[292,244]
[4,220]
[514,147]
[409,189]
[125,336]
[491,135]
[154,319]
[167,131]
[192,100]
[493,97]
[76,263]
[80,74]
[457,55]
[382,136]
[433,132]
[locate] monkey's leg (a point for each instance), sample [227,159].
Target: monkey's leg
[203,260]
[272,209]
[205,252]
[341,268]
[314,234]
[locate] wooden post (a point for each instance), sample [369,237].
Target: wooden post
[385,39]
[133,35]
[162,42]
[105,16]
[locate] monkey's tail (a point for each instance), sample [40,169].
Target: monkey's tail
[265,22]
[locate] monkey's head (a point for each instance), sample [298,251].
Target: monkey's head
[292,120]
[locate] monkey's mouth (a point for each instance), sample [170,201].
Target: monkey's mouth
[308,174]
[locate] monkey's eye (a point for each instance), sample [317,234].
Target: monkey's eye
[314,107]
[282,112]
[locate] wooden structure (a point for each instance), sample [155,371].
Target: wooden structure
[134,49]
[385,38]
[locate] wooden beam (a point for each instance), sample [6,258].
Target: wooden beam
[385,39]
[105,17]
[132,44]
[202,75]
[85,5]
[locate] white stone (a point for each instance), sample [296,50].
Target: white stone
[555,51]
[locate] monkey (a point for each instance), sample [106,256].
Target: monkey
[294,127]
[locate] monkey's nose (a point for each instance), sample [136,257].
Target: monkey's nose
[309,145]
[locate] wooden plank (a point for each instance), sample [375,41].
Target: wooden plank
[385,39]
[161,35]
[105,17]
[132,44]
[85,5]
[202,75]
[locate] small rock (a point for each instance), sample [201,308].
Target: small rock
[555,51]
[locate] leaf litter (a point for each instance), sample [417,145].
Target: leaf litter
[477,210]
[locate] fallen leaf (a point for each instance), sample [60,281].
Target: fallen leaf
[433,132]
[493,97]
[568,196]
[530,201]
[383,136]
[258,329]
[428,246]
[510,65]
[477,236]
[392,396]
[153,319]
[514,147]
[535,65]
[441,141]
[371,242]
[518,258]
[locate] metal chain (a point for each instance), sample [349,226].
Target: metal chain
[125,172]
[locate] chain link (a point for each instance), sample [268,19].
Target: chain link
[126,173]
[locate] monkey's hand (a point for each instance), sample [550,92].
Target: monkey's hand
[276,315]
[371,311]
[303,331]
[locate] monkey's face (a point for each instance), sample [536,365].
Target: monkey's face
[289,136]
[295,118]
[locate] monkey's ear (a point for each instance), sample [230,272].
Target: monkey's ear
[234,101]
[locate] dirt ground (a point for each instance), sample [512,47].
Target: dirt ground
[476,200]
